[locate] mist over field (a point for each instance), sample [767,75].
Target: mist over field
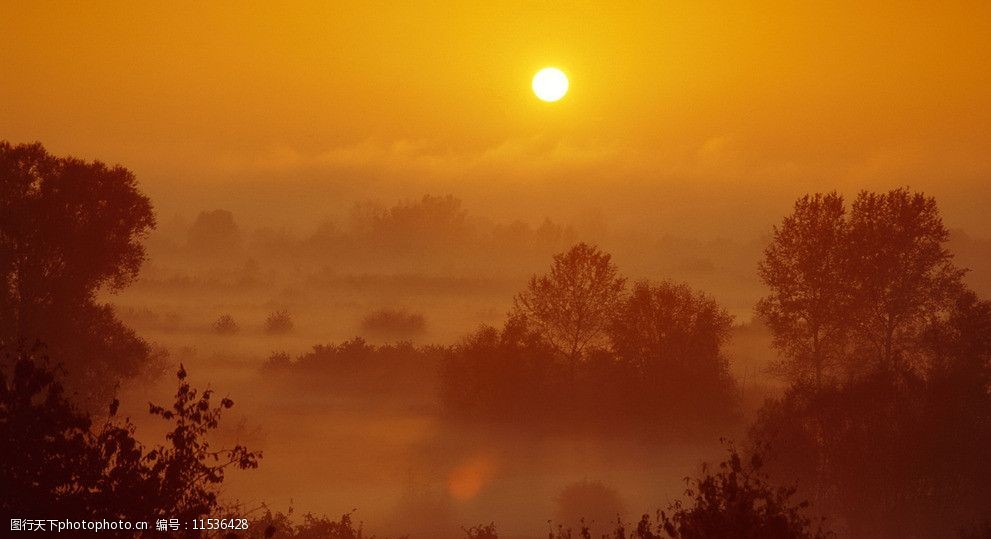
[379,441]
[350,270]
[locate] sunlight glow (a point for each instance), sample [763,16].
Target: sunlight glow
[550,84]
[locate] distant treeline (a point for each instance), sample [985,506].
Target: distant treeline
[434,226]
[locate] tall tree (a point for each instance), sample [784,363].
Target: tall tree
[901,272]
[68,229]
[572,306]
[872,448]
[855,293]
[805,267]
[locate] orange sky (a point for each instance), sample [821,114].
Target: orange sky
[773,95]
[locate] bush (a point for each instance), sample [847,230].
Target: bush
[276,363]
[393,322]
[735,500]
[278,322]
[225,325]
[391,369]
[56,456]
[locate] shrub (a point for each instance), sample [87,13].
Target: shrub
[225,325]
[57,456]
[278,362]
[357,366]
[278,322]
[735,497]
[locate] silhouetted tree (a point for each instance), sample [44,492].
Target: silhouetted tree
[358,368]
[893,452]
[57,462]
[214,233]
[68,229]
[673,337]
[885,455]
[668,324]
[501,374]
[430,222]
[320,527]
[573,305]
[46,446]
[806,267]
[960,343]
[735,501]
[889,447]
[901,271]
[855,293]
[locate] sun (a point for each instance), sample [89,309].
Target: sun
[550,84]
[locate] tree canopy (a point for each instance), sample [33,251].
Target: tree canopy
[69,228]
[854,291]
[572,305]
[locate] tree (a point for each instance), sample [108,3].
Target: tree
[56,460]
[808,309]
[902,273]
[68,229]
[426,224]
[572,306]
[886,453]
[896,451]
[46,446]
[214,233]
[961,342]
[495,374]
[577,352]
[667,325]
[673,336]
[854,293]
